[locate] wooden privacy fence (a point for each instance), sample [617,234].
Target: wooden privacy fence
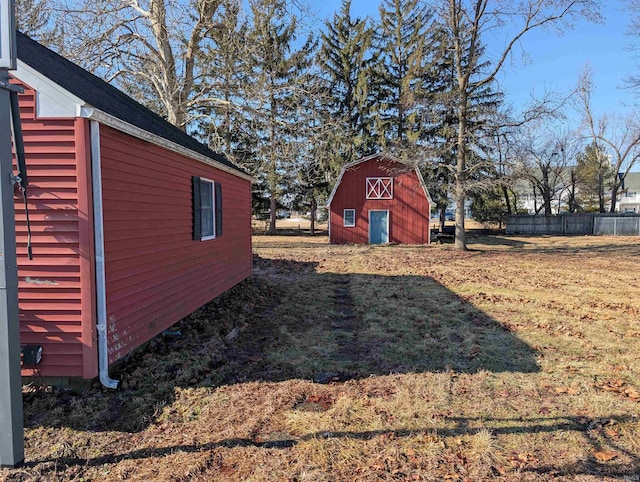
[587,223]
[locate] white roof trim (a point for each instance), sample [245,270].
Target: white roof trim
[53,101]
[120,125]
[382,157]
[424,186]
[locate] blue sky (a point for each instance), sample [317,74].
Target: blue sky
[556,61]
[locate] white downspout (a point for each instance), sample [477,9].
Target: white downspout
[98,232]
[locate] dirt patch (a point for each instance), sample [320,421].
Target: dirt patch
[346,322]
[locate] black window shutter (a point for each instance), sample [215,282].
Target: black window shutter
[218,209]
[197,210]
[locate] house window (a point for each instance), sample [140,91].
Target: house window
[349,218]
[379,188]
[207,209]
[630,194]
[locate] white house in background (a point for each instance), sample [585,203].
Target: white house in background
[531,202]
[629,196]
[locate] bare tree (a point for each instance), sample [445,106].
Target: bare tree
[544,164]
[620,136]
[468,21]
[150,47]
[33,18]
[504,150]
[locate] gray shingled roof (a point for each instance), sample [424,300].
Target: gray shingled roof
[105,97]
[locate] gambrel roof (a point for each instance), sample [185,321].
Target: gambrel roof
[379,157]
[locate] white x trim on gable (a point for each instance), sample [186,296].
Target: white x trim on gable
[379,188]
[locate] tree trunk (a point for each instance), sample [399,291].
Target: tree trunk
[461,237]
[461,171]
[507,200]
[272,215]
[273,166]
[546,192]
[614,196]
[601,192]
[572,192]
[515,201]
[547,203]
[314,208]
[443,214]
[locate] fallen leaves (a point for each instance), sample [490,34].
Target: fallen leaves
[317,403]
[611,433]
[522,459]
[619,386]
[548,417]
[572,389]
[605,455]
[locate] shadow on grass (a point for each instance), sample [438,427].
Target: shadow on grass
[455,427]
[334,327]
[562,244]
[499,240]
[290,322]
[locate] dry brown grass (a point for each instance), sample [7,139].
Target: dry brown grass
[517,360]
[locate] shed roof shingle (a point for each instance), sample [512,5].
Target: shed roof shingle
[105,97]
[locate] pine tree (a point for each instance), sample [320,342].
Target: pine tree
[224,121]
[443,121]
[276,85]
[345,61]
[403,44]
[593,177]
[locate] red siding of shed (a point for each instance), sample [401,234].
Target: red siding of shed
[155,272]
[409,210]
[55,291]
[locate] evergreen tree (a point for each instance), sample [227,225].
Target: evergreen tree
[345,60]
[441,129]
[593,178]
[277,85]
[488,206]
[403,45]
[224,121]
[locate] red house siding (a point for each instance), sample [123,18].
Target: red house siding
[155,272]
[56,305]
[409,210]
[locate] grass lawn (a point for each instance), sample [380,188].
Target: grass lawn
[517,360]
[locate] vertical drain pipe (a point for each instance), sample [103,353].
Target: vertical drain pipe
[98,232]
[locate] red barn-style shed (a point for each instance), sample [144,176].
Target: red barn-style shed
[379,199]
[134,223]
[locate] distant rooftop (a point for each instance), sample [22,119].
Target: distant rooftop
[632,181]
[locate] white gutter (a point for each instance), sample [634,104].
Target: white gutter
[98,232]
